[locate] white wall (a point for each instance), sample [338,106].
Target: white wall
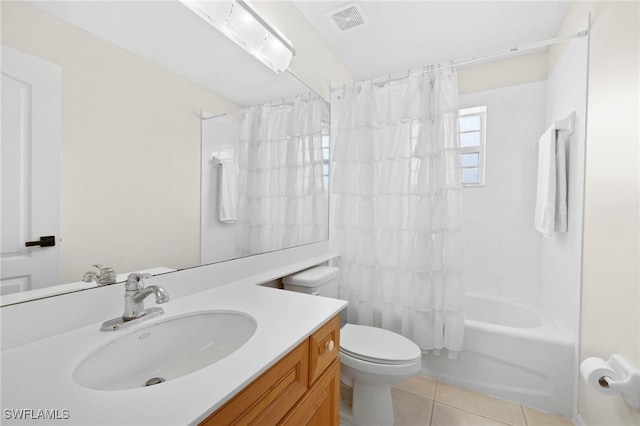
[561,253]
[218,240]
[501,247]
[611,267]
[511,71]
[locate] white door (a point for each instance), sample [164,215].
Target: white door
[31,134]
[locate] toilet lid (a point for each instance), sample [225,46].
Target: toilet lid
[377,345]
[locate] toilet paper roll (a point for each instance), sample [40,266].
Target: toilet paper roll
[593,370]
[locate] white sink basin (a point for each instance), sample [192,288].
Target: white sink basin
[165,350]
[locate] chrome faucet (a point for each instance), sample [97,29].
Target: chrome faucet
[105,276]
[134,295]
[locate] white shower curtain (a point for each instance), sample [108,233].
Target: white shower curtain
[396,199]
[282,199]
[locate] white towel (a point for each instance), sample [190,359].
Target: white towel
[228,192]
[551,200]
[561,181]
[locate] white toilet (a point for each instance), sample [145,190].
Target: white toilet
[372,359]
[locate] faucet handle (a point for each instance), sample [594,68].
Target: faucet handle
[105,271]
[105,276]
[135,281]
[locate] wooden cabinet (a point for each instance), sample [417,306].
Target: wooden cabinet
[266,399]
[321,405]
[302,388]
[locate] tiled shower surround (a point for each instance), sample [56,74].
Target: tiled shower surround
[501,246]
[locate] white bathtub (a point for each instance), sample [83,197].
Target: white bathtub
[513,352]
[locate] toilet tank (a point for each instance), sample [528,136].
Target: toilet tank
[319,280]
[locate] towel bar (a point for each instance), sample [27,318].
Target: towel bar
[568,123]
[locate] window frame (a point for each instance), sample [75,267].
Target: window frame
[480,111]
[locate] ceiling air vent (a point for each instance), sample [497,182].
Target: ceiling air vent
[348,17]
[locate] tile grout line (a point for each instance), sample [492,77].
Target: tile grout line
[419,396]
[470,412]
[433,402]
[473,413]
[524,416]
[407,391]
[451,405]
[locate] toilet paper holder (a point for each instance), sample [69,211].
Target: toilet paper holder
[626,382]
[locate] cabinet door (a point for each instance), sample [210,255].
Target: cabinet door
[321,405]
[324,346]
[269,397]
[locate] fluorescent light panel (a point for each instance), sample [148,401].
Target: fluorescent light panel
[239,21]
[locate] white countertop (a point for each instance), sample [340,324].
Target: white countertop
[38,375]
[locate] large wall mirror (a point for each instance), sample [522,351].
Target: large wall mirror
[124,125]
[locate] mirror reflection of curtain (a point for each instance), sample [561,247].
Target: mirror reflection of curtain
[282,199]
[397,225]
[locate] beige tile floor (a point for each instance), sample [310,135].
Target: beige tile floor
[422,401]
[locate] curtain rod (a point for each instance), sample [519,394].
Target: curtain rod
[513,50]
[279,102]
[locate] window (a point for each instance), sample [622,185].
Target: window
[471,128]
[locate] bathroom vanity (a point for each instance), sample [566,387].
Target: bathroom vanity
[301,389]
[286,372]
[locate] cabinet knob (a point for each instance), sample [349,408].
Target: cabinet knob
[330,345]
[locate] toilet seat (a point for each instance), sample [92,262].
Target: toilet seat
[377,345]
[379,373]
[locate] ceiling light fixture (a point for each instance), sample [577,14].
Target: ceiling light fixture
[242,23]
